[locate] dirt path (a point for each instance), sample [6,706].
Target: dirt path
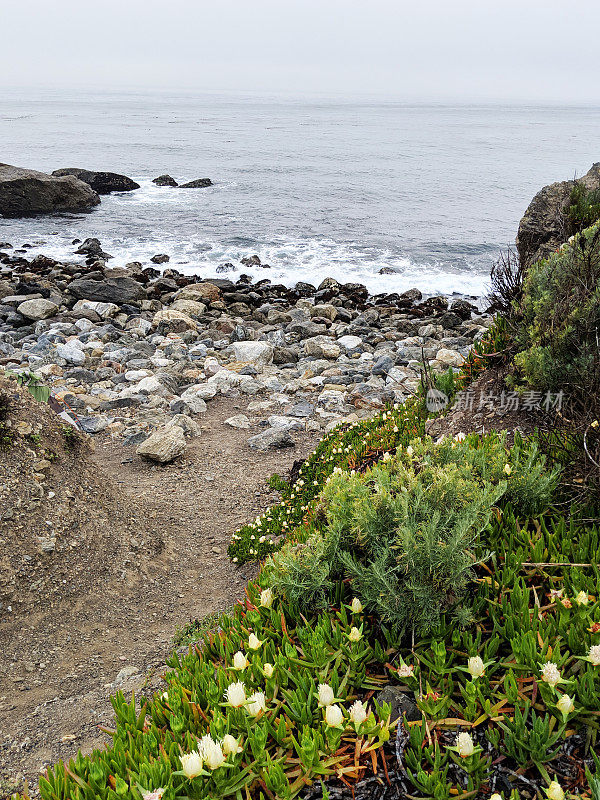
[64,662]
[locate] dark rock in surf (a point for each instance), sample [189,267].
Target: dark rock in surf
[26,193]
[165,180]
[101,182]
[160,258]
[92,249]
[200,183]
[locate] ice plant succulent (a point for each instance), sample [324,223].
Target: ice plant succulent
[266,598]
[254,642]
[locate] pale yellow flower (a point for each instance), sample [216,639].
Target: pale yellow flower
[355,635]
[231,745]
[555,791]
[191,764]
[254,642]
[476,666]
[550,673]
[240,661]
[356,606]
[266,598]
[333,716]
[565,704]
[256,703]
[464,745]
[358,713]
[325,694]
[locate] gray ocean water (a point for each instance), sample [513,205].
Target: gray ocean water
[315,187]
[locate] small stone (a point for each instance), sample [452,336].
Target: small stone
[273,439]
[238,421]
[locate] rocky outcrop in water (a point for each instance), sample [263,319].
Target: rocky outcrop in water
[199,183]
[101,182]
[165,180]
[26,193]
[544,226]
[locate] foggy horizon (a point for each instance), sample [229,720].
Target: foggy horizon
[462,53]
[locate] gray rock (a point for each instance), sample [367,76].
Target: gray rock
[238,421]
[164,445]
[101,182]
[383,365]
[25,193]
[401,703]
[160,258]
[93,424]
[259,353]
[322,347]
[272,439]
[38,309]
[71,353]
[111,290]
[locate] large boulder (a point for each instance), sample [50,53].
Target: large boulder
[111,290]
[101,182]
[26,192]
[38,309]
[544,226]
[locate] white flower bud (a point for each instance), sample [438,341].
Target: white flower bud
[464,745]
[356,606]
[582,598]
[355,635]
[333,716]
[358,713]
[191,764]
[266,598]
[268,670]
[236,694]
[254,642]
[565,704]
[231,745]
[325,694]
[555,791]
[476,666]
[240,661]
[507,469]
[256,703]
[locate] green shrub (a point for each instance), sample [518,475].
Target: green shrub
[403,531]
[559,340]
[584,207]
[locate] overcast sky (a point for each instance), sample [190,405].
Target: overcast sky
[422,50]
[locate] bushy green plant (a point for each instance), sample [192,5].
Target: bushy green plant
[559,340]
[404,530]
[584,207]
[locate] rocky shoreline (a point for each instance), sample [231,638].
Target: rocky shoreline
[140,354]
